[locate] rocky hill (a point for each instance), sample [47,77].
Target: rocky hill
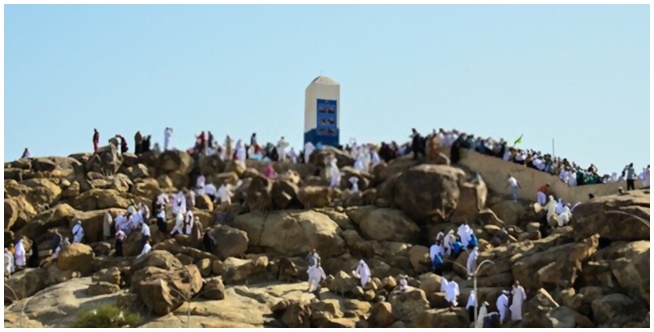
[592,273]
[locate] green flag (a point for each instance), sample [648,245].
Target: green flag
[519,140]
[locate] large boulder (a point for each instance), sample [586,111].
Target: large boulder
[408,306]
[236,270]
[509,212]
[76,257]
[284,192]
[315,197]
[389,225]
[164,291]
[213,289]
[381,315]
[175,162]
[632,271]
[613,310]
[429,192]
[24,283]
[18,212]
[616,218]
[97,199]
[443,318]
[259,194]
[157,258]
[230,242]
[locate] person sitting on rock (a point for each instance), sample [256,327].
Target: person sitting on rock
[541,194]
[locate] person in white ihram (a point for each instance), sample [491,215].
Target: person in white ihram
[168,136]
[179,223]
[470,306]
[448,241]
[471,264]
[10,266]
[519,296]
[502,305]
[281,149]
[451,293]
[355,184]
[225,194]
[362,272]
[308,150]
[564,217]
[146,249]
[316,274]
[482,314]
[464,233]
[19,254]
[550,207]
[188,223]
[78,232]
[334,174]
[240,151]
[404,284]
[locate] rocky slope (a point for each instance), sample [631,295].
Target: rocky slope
[592,273]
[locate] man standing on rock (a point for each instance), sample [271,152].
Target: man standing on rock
[514,185]
[363,272]
[138,143]
[120,237]
[471,264]
[9,263]
[312,258]
[502,305]
[168,135]
[519,296]
[96,140]
[106,225]
[316,275]
[145,234]
[78,232]
[541,194]
[631,176]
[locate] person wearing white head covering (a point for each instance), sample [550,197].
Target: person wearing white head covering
[564,217]
[439,236]
[181,201]
[464,233]
[225,194]
[308,150]
[550,208]
[355,184]
[188,223]
[482,314]
[293,155]
[470,306]
[281,149]
[374,158]
[10,266]
[200,182]
[241,154]
[363,272]
[404,284]
[471,264]
[444,285]
[452,292]
[334,174]
[436,249]
[78,232]
[168,137]
[644,177]
[502,305]
[179,223]
[19,254]
[559,206]
[614,177]
[519,296]
[358,163]
[448,241]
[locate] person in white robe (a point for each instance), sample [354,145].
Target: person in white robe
[334,174]
[435,249]
[19,254]
[191,196]
[502,305]
[519,297]
[225,194]
[550,207]
[559,206]
[179,223]
[240,151]
[10,266]
[200,182]
[614,177]
[644,177]
[168,136]
[564,218]
[355,184]
[188,223]
[483,311]
[106,225]
[181,200]
[470,305]
[452,292]
[444,285]
[316,274]
[137,220]
[120,219]
[210,190]
[541,199]
[308,151]
[439,236]
[292,155]
[358,163]
[362,272]
[78,232]
[471,264]
[464,233]
[448,241]
[404,284]
[374,158]
[146,249]
[281,149]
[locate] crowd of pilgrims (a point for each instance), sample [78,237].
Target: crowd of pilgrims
[446,247]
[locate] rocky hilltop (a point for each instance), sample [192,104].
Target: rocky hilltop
[593,272]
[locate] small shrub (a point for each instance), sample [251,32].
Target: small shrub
[107,316]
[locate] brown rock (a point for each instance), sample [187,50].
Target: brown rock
[230,242]
[381,315]
[102,288]
[609,215]
[76,257]
[389,225]
[213,289]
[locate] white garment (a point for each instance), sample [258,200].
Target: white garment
[240,151]
[168,135]
[448,241]
[519,297]
[444,285]
[439,235]
[502,305]
[19,254]
[179,223]
[146,249]
[541,198]
[137,220]
[404,285]
[480,318]
[281,149]
[644,177]
[145,230]
[374,158]
[551,208]
[210,189]
[188,223]
[225,194]
[363,271]
[472,300]
[358,163]
[200,183]
[452,292]
[293,155]
[355,184]
[10,266]
[464,233]
[472,261]
[334,174]
[78,233]
[564,218]
[434,250]
[308,151]
[316,274]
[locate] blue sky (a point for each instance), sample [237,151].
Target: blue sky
[578,74]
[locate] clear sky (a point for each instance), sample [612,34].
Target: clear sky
[578,74]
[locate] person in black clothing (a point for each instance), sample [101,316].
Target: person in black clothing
[33,261]
[455,150]
[417,144]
